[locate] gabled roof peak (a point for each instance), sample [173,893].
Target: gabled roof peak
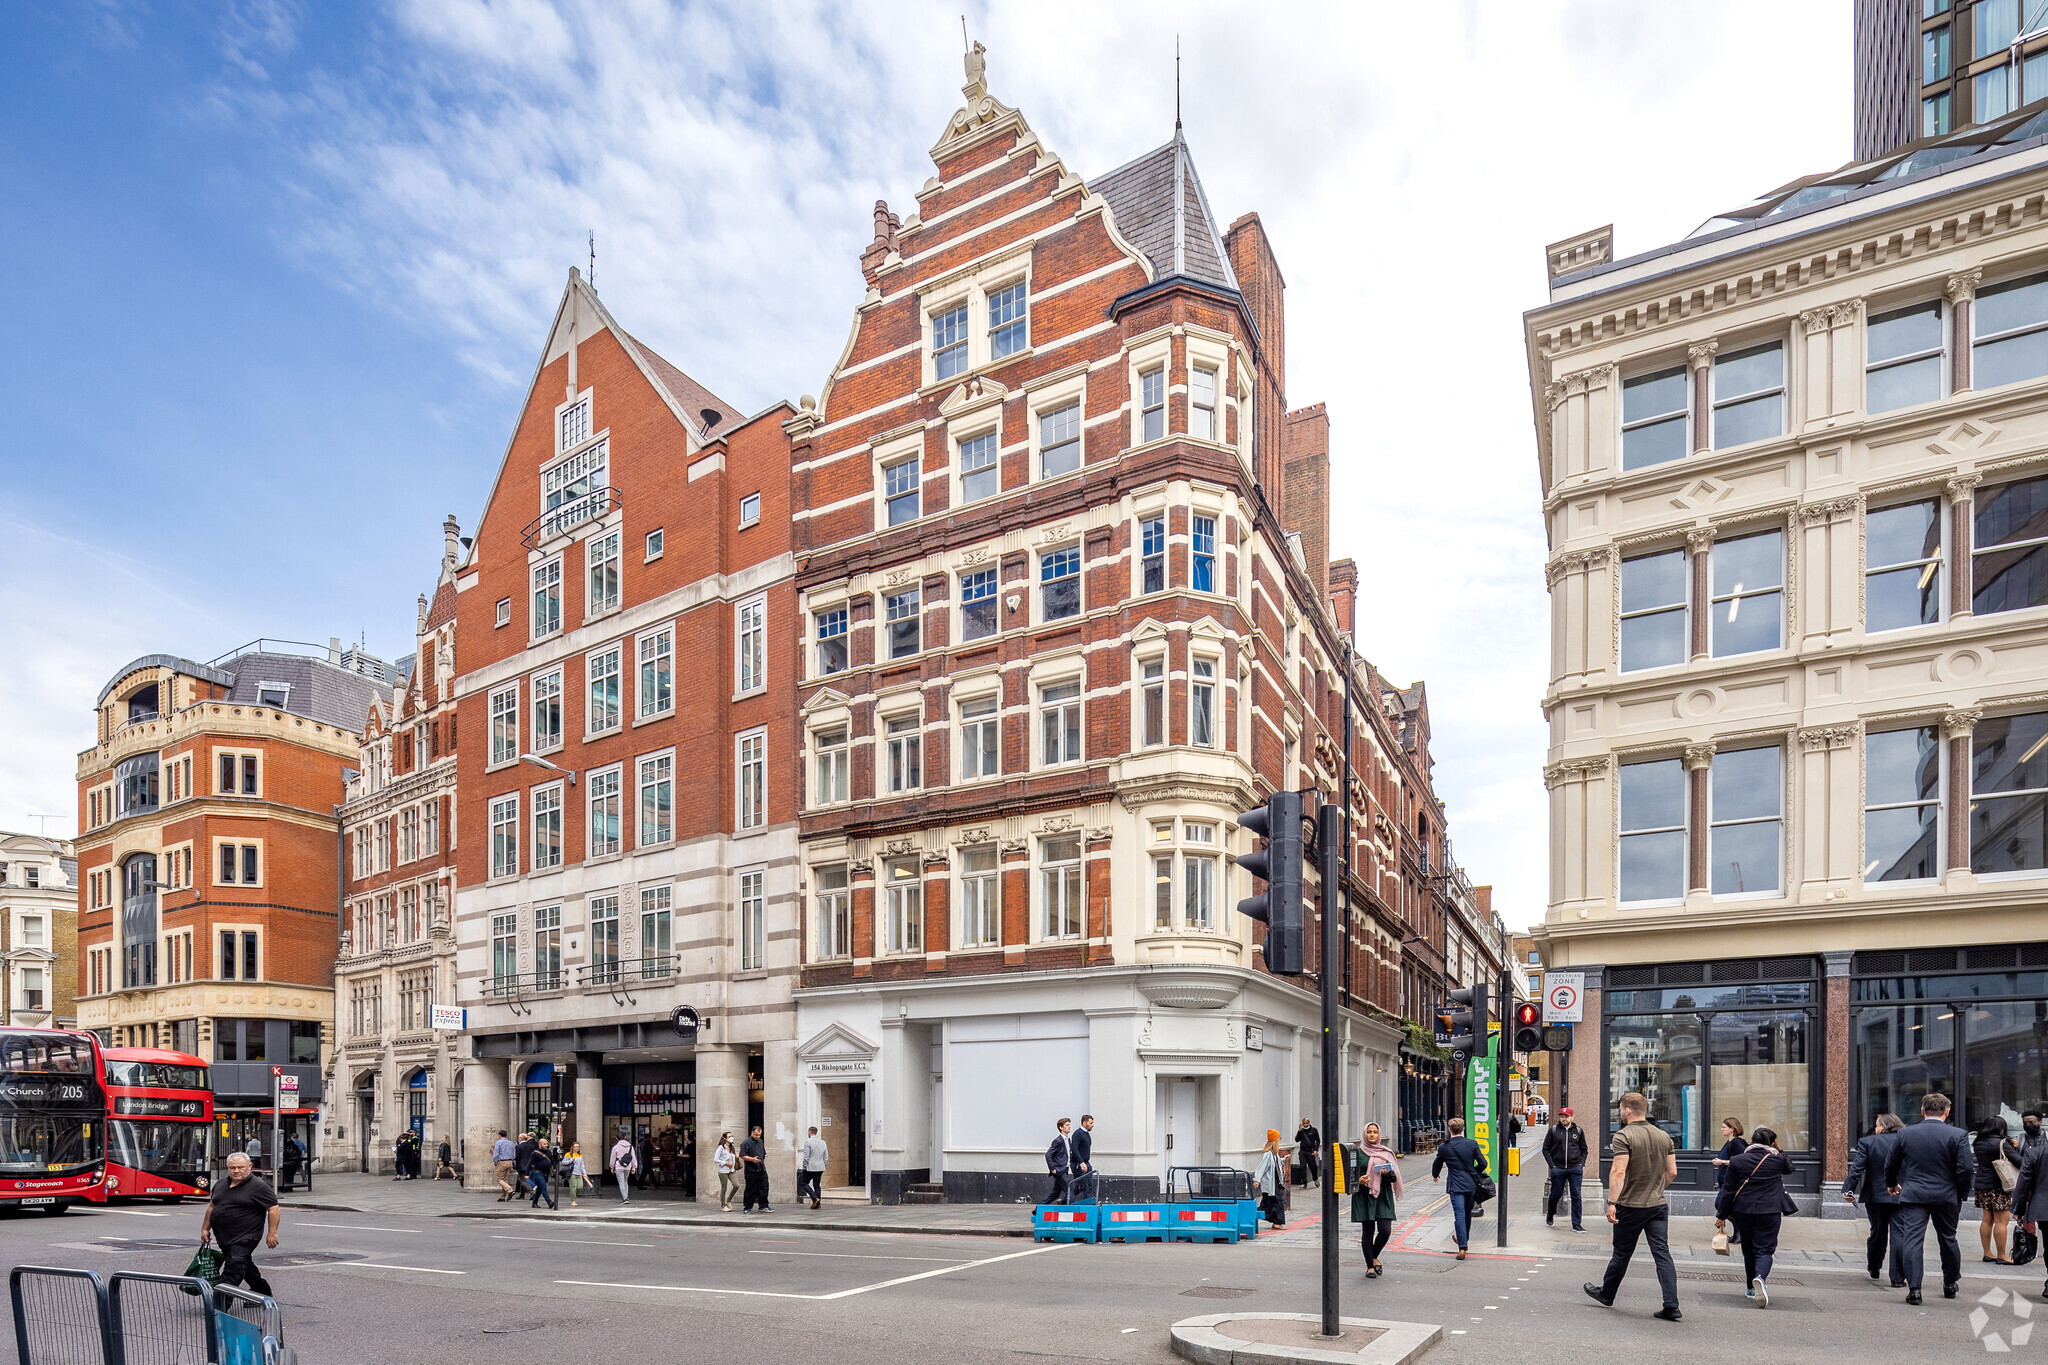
[1158,204]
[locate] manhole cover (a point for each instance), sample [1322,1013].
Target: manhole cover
[312,1258]
[150,1243]
[1215,1291]
[507,1328]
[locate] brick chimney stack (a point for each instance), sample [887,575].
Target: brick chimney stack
[1343,595]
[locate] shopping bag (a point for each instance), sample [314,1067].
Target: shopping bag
[205,1265]
[2025,1245]
[1720,1244]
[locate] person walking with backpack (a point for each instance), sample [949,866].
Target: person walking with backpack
[1564,1151]
[1466,1163]
[1645,1162]
[1880,1205]
[1754,1197]
[624,1163]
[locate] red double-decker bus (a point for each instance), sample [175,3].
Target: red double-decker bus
[53,1119]
[159,1124]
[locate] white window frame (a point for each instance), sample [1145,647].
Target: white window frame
[652,547]
[889,620]
[901,753]
[750,510]
[654,691]
[652,772]
[750,646]
[993,599]
[1200,705]
[606,797]
[544,576]
[1058,707]
[1079,577]
[832,764]
[961,440]
[981,898]
[541,687]
[832,901]
[753,917]
[504,836]
[818,638]
[548,820]
[595,707]
[585,428]
[980,735]
[888,464]
[1071,924]
[750,779]
[602,556]
[902,906]
[1152,693]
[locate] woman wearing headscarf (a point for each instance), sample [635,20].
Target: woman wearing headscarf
[1271,1179]
[1376,1182]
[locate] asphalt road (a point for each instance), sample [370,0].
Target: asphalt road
[386,1287]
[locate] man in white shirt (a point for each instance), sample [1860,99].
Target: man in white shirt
[811,1169]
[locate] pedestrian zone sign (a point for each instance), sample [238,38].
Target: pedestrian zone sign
[1564,997]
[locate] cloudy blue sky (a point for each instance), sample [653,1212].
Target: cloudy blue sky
[281,270]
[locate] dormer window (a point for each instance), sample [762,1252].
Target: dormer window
[273,695]
[142,704]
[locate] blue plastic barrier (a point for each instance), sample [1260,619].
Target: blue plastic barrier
[1065,1222]
[1203,1223]
[1134,1222]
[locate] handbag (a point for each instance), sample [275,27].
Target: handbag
[2008,1174]
[205,1265]
[2025,1245]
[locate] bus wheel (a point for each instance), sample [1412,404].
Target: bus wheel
[62,1206]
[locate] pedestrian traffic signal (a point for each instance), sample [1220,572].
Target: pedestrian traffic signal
[1528,1027]
[1278,865]
[1467,1026]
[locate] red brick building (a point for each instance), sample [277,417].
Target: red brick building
[391,1071]
[627,793]
[1067,611]
[207,868]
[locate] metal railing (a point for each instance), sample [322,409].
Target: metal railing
[627,971]
[569,515]
[61,1317]
[73,1317]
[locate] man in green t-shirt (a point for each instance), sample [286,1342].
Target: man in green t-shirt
[1644,1163]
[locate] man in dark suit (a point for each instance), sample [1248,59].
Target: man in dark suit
[1930,1169]
[1083,1153]
[1059,1161]
[1866,1183]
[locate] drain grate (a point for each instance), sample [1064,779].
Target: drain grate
[1215,1291]
[312,1258]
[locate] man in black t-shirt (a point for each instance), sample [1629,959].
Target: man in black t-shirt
[241,1212]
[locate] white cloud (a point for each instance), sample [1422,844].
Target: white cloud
[1409,165]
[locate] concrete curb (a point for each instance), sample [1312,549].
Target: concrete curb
[1198,1339]
[730,1221]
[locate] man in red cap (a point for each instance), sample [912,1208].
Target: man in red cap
[1564,1148]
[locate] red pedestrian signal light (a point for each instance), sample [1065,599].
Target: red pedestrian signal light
[1528,1027]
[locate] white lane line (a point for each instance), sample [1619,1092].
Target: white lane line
[352,1227]
[846,1255]
[816,1298]
[579,1241]
[136,1213]
[418,1269]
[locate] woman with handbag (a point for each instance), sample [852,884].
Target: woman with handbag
[1756,1201]
[1376,1179]
[1998,1170]
[1271,1179]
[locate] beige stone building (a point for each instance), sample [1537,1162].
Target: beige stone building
[1795,479]
[38,931]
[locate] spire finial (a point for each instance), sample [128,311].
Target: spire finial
[1176,83]
[593,260]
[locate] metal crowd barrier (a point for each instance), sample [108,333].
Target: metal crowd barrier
[72,1317]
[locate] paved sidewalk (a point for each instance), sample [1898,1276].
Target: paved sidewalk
[349,1192]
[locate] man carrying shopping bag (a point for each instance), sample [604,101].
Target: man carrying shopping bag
[241,1212]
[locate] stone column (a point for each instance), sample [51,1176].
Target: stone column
[1962,300]
[1835,1131]
[1700,356]
[1955,728]
[721,1107]
[1699,542]
[1961,543]
[589,1127]
[483,1114]
[1699,770]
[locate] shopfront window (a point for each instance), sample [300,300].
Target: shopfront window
[2004,1070]
[1659,1057]
[1758,1073]
[1902,1053]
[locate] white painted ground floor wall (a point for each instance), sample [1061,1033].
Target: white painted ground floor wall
[962,1081]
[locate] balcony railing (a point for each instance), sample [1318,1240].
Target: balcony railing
[570,515]
[632,970]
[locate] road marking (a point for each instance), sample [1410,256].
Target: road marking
[352,1227]
[136,1213]
[579,1241]
[418,1269]
[816,1298]
[845,1255]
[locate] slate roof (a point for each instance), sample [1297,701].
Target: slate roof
[319,690]
[690,396]
[1160,209]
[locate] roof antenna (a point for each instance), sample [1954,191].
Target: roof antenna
[593,260]
[1176,83]
[964,44]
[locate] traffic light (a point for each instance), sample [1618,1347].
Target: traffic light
[1528,1027]
[1278,865]
[1467,1026]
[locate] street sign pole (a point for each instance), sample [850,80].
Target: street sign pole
[1501,1123]
[276,1122]
[1329,836]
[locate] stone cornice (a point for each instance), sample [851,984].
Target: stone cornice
[215,720]
[1568,770]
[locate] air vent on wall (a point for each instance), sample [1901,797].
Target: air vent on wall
[1681,974]
[1626,978]
[1878,964]
[1931,960]
[1787,968]
[1735,971]
[1990,959]
[2034,955]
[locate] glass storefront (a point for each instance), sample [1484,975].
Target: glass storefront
[1703,1042]
[1950,1033]
[654,1105]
